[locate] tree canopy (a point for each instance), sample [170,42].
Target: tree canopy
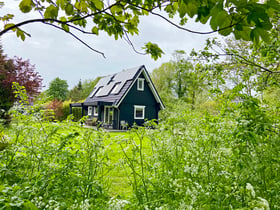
[58,89]
[247,20]
[20,71]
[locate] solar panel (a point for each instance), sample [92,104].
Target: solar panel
[103,81]
[106,89]
[93,92]
[106,84]
[97,93]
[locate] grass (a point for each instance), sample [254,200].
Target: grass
[119,174]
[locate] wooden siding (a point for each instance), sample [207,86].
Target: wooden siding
[143,98]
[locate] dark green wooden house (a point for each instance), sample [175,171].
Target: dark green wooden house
[122,99]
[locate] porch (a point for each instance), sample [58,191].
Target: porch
[101,114]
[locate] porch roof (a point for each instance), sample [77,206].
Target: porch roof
[98,103]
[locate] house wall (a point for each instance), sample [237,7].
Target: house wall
[142,98]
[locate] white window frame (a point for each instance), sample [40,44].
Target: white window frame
[143,112]
[140,81]
[110,109]
[90,111]
[95,111]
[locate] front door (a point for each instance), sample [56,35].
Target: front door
[108,115]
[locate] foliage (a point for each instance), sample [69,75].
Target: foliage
[76,111]
[206,162]
[180,79]
[191,160]
[48,166]
[20,71]
[75,94]
[82,90]
[240,64]
[58,89]
[56,107]
[247,20]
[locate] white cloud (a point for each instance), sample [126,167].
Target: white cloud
[57,54]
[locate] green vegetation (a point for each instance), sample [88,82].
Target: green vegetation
[216,145]
[190,160]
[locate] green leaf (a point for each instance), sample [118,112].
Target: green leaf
[51,12]
[220,20]
[242,34]
[153,50]
[69,9]
[188,6]
[9,25]
[117,9]
[254,36]
[83,6]
[20,34]
[98,4]
[7,17]
[65,27]
[60,3]
[183,9]
[274,4]
[263,34]
[26,6]
[95,30]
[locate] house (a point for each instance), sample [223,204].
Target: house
[123,99]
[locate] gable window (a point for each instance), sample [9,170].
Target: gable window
[140,84]
[139,112]
[89,110]
[95,111]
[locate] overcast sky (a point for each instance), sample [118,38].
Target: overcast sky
[57,54]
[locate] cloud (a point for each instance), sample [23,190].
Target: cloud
[57,54]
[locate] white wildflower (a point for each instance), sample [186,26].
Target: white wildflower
[117,204]
[262,204]
[250,188]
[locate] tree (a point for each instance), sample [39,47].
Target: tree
[26,76]
[20,71]
[179,79]
[163,80]
[247,20]
[75,94]
[6,94]
[88,85]
[58,89]
[242,65]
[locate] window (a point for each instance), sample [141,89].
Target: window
[108,114]
[89,110]
[116,88]
[95,111]
[139,112]
[140,84]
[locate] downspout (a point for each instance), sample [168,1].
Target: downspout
[118,120]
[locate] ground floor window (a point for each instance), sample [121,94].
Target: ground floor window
[139,112]
[95,111]
[108,114]
[89,110]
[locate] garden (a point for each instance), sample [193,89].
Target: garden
[190,160]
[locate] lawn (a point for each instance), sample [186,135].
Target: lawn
[119,173]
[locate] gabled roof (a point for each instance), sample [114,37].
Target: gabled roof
[112,89]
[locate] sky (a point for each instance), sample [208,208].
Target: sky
[56,54]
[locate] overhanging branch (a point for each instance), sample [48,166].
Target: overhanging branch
[73,35]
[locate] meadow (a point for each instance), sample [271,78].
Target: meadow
[190,160]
